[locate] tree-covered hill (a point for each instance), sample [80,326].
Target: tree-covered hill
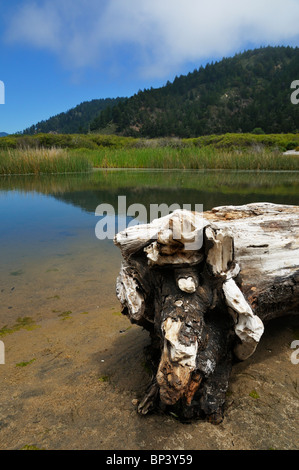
[248,92]
[76,120]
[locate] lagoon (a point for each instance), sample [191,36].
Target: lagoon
[74,365]
[51,260]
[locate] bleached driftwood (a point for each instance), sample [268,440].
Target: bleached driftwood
[204,286]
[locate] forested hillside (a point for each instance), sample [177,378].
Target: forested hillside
[249,92]
[245,93]
[76,120]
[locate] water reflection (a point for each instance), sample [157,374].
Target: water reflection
[50,258]
[210,188]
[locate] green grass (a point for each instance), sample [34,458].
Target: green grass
[50,153]
[39,161]
[193,158]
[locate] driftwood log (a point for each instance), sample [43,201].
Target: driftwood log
[204,286]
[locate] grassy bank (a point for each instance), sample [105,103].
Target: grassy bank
[190,158]
[37,161]
[52,153]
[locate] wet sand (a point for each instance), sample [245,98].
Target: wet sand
[69,381]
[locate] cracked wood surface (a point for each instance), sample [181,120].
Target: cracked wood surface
[204,285]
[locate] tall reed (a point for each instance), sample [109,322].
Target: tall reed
[191,158]
[38,161]
[57,160]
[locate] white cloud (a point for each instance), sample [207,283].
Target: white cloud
[160,35]
[36,26]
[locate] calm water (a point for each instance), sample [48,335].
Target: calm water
[50,259]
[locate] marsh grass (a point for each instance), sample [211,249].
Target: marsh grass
[54,160]
[38,161]
[191,158]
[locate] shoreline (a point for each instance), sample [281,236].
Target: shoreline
[80,392]
[136,169]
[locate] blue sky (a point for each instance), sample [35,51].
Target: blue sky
[54,54]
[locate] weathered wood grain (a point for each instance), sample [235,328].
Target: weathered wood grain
[204,286]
